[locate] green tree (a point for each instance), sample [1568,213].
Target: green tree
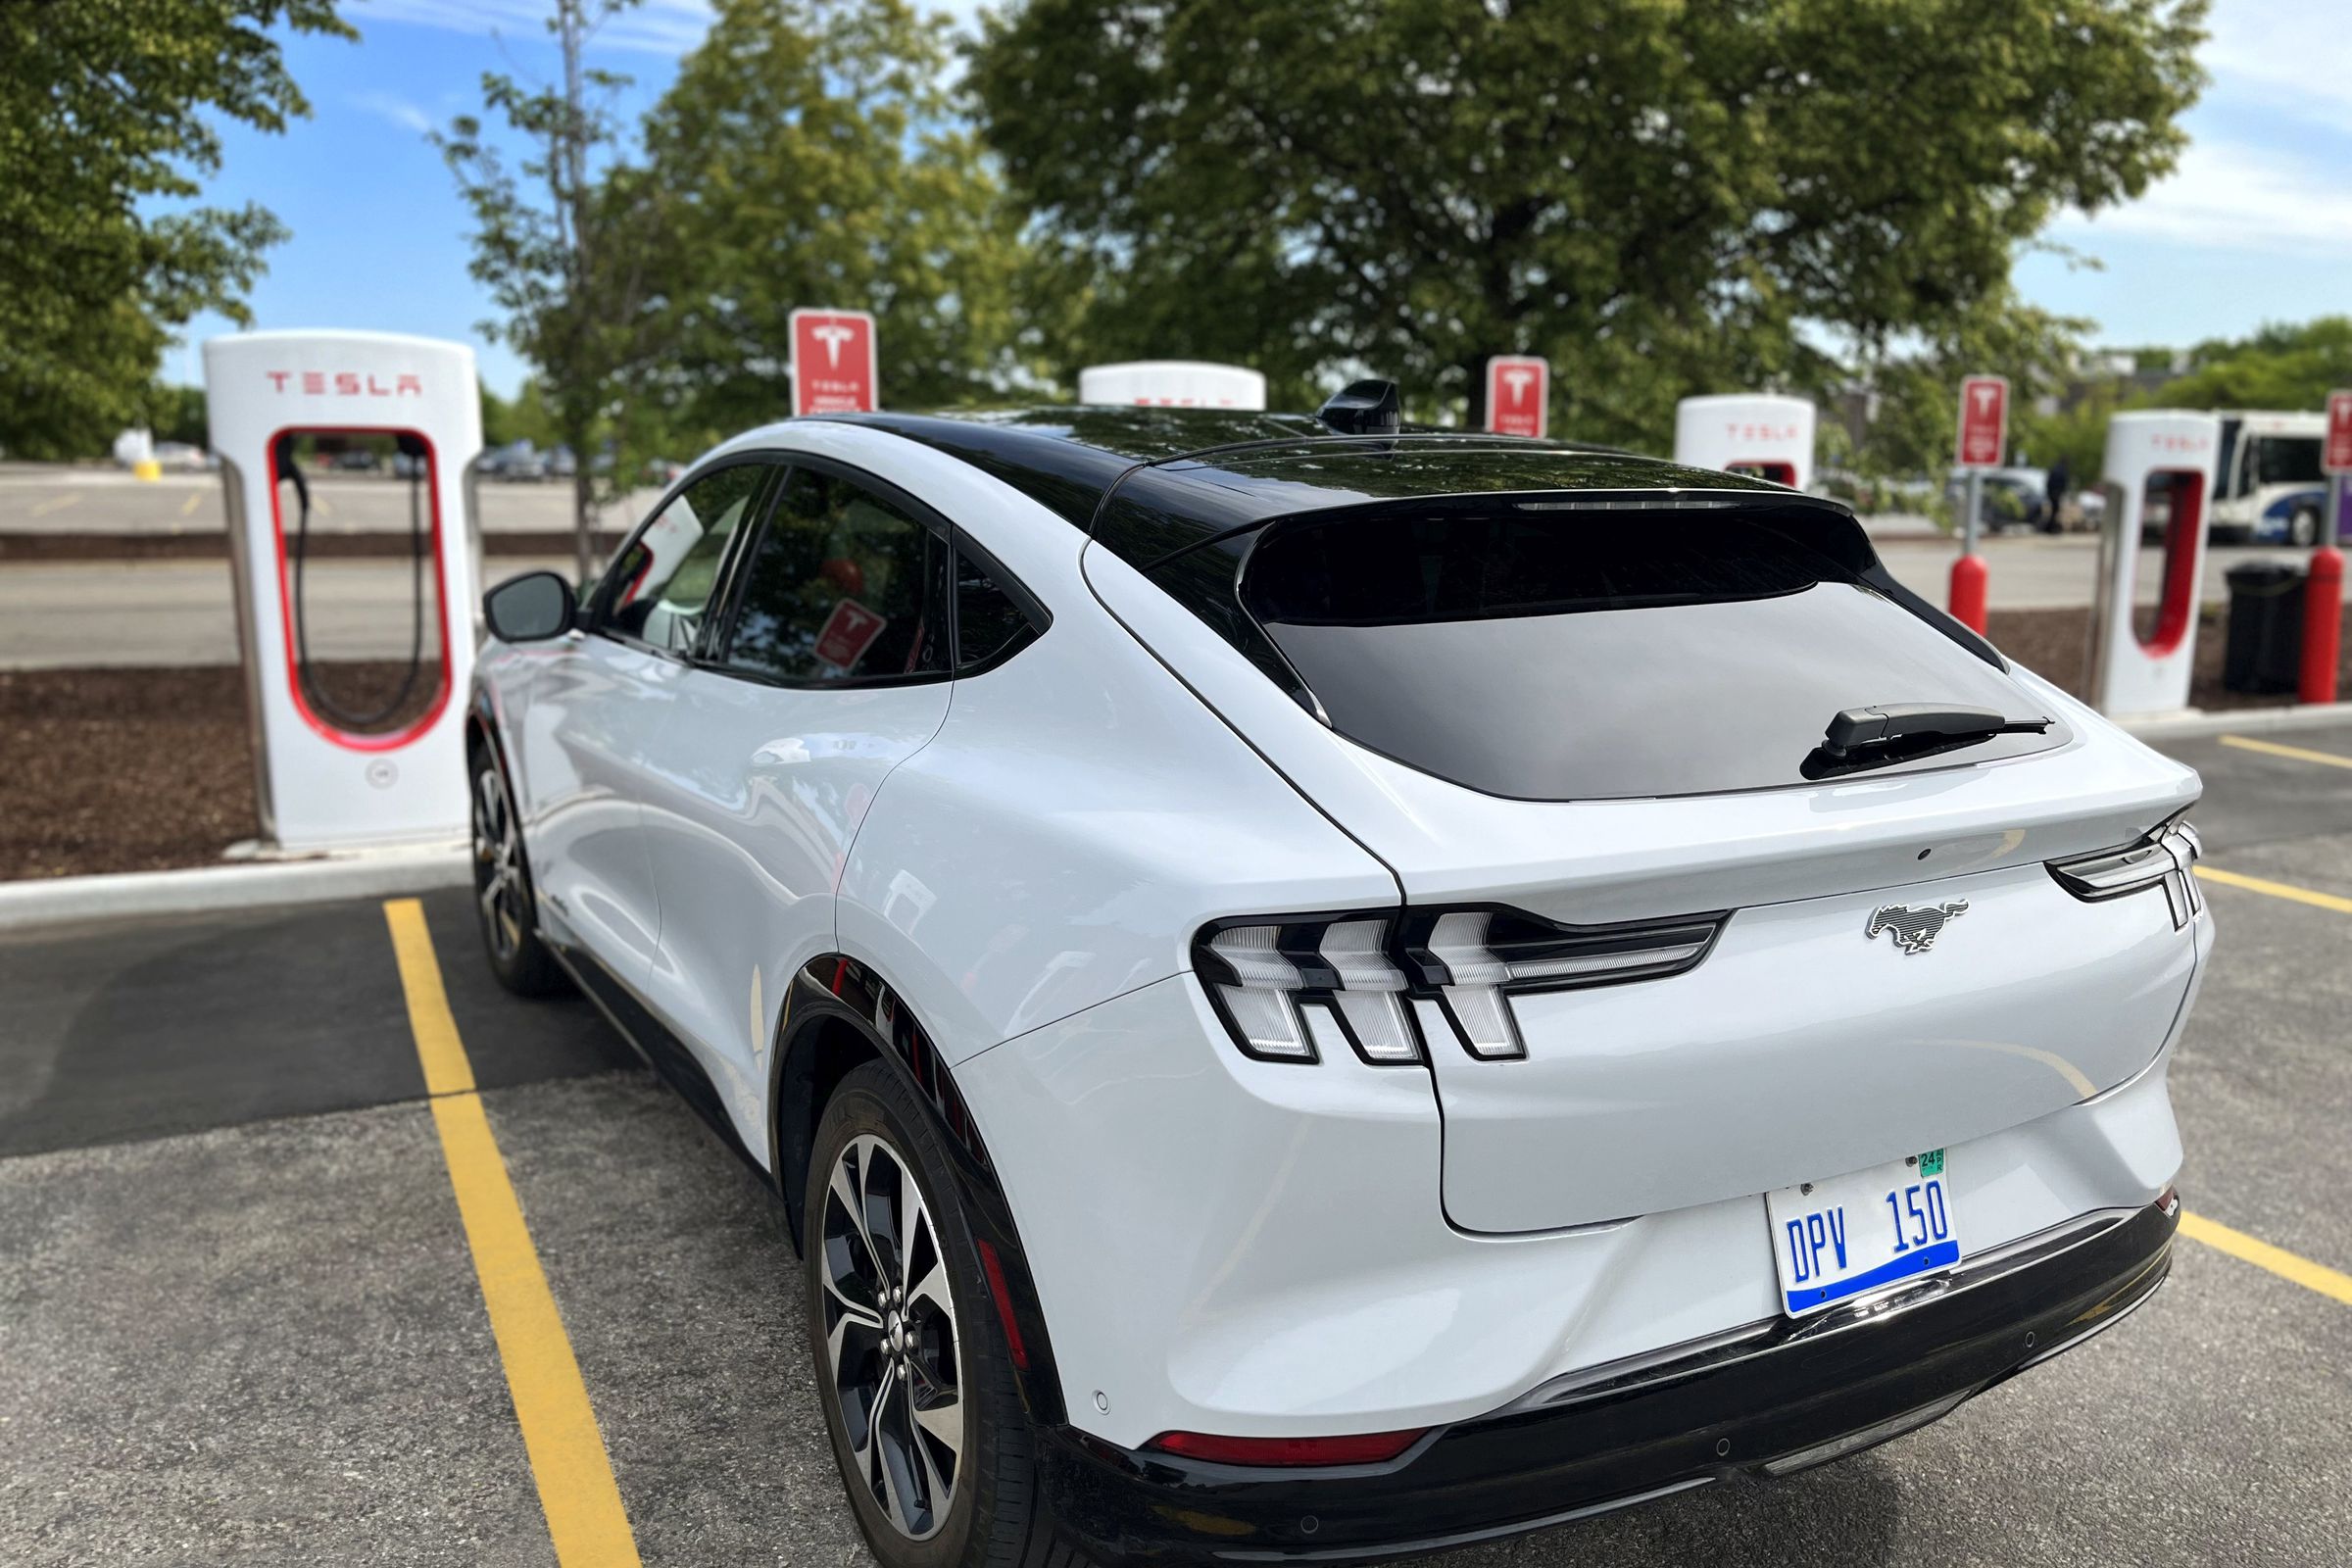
[1915,394]
[2279,366]
[561,242]
[821,165]
[180,413]
[109,119]
[1654,196]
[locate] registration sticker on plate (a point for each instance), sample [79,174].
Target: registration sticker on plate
[1839,1238]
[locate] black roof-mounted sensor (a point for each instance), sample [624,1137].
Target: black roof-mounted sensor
[1364,407]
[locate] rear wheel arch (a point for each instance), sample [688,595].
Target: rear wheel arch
[839,1015]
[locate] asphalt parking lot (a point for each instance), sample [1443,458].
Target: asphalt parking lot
[317,1248]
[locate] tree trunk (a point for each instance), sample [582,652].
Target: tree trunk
[1474,377]
[583,512]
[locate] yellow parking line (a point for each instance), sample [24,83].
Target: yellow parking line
[42,509]
[194,497]
[2277,890]
[577,1493]
[2262,1254]
[2297,752]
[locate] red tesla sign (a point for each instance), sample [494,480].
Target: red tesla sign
[1518,395]
[1983,421]
[2340,432]
[847,633]
[833,368]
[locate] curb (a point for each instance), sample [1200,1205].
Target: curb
[378,873]
[2240,721]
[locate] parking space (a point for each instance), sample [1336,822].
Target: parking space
[256,1303]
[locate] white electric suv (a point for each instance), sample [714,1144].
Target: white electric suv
[1313,991]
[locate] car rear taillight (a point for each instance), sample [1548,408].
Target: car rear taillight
[1280,985]
[1383,984]
[1360,1447]
[2164,859]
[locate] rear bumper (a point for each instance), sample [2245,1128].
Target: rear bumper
[1771,1399]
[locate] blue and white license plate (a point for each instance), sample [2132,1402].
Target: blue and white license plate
[1849,1235]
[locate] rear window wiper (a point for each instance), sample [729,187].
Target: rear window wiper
[1900,732]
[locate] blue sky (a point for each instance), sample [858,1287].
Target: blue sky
[2255,226]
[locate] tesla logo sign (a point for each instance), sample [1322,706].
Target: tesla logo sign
[1983,421]
[847,633]
[1518,395]
[2340,432]
[346,383]
[833,369]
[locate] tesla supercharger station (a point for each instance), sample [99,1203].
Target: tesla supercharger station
[1753,434]
[1173,384]
[2159,472]
[343,762]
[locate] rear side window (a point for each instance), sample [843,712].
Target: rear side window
[842,585]
[1552,651]
[989,622]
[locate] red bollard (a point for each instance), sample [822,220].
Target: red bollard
[2323,625]
[1967,593]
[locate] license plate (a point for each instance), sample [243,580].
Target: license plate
[1839,1238]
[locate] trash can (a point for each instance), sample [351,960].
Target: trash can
[2265,649]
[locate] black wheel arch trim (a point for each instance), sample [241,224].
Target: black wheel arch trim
[831,992]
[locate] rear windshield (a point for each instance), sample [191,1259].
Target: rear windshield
[1547,651]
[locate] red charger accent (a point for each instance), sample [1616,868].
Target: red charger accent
[1969,580]
[995,1270]
[2323,625]
[1359,1448]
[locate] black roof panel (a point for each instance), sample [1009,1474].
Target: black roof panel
[1183,476]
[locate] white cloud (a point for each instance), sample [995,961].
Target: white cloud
[651,26]
[2290,58]
[396,109]
[2230,196]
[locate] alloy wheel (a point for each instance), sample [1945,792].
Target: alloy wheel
[890,1341]
[497,863]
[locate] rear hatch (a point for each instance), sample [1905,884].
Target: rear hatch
[1590,729]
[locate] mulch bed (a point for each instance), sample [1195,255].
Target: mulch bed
[2055,644]
[141,769]
[137,769]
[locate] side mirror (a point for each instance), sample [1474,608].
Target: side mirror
[529,609]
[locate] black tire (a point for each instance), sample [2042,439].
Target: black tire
[2303,528]
[506,913]
[994,1516]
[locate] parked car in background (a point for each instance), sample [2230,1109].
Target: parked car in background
[1312,991]
[560,464]
[355,460]
[517,461]
[2012,498]
[179,457]
[1864,495]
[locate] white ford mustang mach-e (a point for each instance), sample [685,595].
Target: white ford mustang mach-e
[1311,989]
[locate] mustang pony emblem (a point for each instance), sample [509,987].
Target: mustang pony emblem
[1915,930]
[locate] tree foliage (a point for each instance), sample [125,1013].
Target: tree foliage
[109,119]
[812,160]
[2279,366]
[1655,195]
[562,239]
